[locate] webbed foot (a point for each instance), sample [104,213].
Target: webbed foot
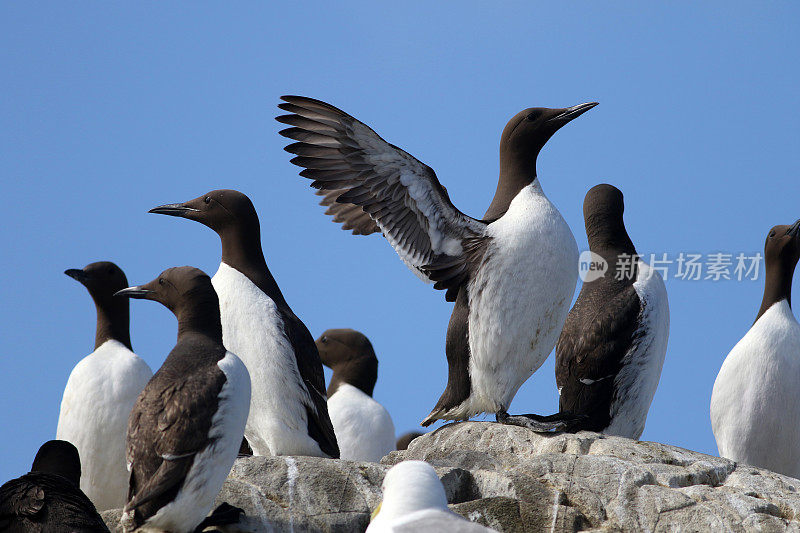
[562,421]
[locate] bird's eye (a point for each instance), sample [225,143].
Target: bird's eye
[533,116]
[324,340]
[771,234]
[207,199]
[160,281]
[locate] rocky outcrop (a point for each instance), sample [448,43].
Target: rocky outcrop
[511,479]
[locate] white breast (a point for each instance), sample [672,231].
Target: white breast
[636,383]
[211,466]
[755,404]
[97,401]
[252,329]
[519,299]
[363,427]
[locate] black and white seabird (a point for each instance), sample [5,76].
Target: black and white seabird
[755,404]
[288,411]
[48,498]
[101,390]
[186,427]
[363,427]
[511,275]
[611,351]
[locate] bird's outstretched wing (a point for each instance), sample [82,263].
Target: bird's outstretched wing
[351,216]
[356,169]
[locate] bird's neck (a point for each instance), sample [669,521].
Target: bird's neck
[517,171]
[607,233]
[778,285]
[200,318]
[360,374]
[113,322]
[242,251]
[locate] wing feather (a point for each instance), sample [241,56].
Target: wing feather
[589,354]
[370,186]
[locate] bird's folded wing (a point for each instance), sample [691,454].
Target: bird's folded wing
[590,353]
[26,497]
[355,168]
[169,474]
[21,497]
[320,427]
[178,426]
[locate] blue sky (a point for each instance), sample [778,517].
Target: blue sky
[109,109]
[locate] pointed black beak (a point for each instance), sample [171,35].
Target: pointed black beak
[794,230]
[174,210]
[572,113]
[78,275]
[137,292]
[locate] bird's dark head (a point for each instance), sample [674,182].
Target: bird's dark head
[528,131]
[222,210]
[351,356]
[59,457]
[603,208]
[102,279]
[177,288]
[337,346]
[783,246]
[781,253]
[603,200]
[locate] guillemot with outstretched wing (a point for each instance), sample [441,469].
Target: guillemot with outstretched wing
[511,275]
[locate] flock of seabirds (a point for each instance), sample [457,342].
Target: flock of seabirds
[245,376]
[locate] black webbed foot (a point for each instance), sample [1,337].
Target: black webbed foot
[561,421]
[224,515]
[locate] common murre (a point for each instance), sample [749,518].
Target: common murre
[512,275]
[187,425]
[363,427]
[755,403]
[48,498]
[611,351]
[288,410]
[102,389]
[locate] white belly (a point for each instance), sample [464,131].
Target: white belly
[755,404]
[363,427]
[97,401]
[210,467]
[637,381]
[519,300]
[252,329]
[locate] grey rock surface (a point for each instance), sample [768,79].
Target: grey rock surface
[511,479]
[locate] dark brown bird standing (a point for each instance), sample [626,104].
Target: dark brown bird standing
[611,350]
[179,450]
[49,498]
